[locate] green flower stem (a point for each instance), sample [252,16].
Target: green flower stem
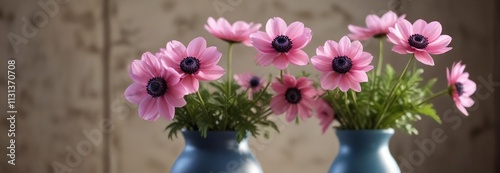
[355,102]
[202,102]
[434,96]
[349,110]
[258,97]
[374,75]
[389,99]
[281,75]
[229,62]
[380,57]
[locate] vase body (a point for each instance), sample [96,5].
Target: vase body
[364,151]
[218,152]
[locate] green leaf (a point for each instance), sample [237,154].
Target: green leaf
[428,110]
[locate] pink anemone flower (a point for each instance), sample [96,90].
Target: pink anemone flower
[194,63]
[461,87]
[239,32]
[325,114]
[282,44]
[251,82]
[421,39]
[293,96]
[375,26]
[156,89]
[343,64]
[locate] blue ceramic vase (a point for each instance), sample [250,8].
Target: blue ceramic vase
[218,152]
[364,151]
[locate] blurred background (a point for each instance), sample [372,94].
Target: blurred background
[71,71]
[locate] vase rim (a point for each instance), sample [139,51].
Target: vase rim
[389,130]
[209,131]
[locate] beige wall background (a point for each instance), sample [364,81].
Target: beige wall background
[63,94]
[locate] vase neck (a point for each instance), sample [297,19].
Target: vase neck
[215,140]
[369,139]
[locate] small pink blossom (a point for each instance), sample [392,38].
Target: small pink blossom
[325,114]
[293,96]
[239,32]
[420,39]
[196,62]
[251,82]
[156,89]
[282,44]
[375,26]
[343,65]
[461,87]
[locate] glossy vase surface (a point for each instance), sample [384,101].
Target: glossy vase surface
[364,151]
[218,152]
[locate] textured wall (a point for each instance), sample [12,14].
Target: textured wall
[61,95]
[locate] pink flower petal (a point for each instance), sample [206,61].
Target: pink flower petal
[294,30]
[298,57]
[265,59]
[140,74]
[322,63]
[278,104]
[176,50]
[209,57]
[466,101]
[344,83]
[196,47]
[136,93]
[424,58]
[263,45]
[300,42]
[358,76]
[289,80]
[171,76]
[291,113]
[344,45]
[278,87]
[438,46]
[148,109]
[151,63]
[432,31]
[355,50]
[281,61]
[405,27]
[166,110]
[373,22]
[275,27]
[304,111]
[399,49]
[461,108]
[419,26]
[175,102]
[330,80]
[331,48]
[190,83]
[210,73]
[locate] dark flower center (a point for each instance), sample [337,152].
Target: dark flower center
[190,65]
[282,43]
[293,96]
[341,64]
[418,41]
[460,88]
[254,82]
[156,87]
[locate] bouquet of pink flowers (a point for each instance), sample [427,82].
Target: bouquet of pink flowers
[167,83]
